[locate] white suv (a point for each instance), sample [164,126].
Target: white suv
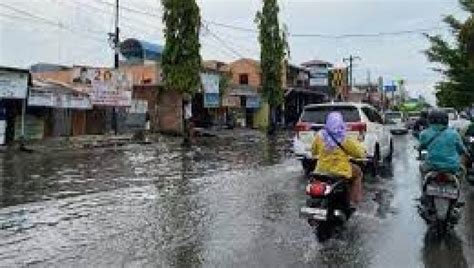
[455,120]
[363,121]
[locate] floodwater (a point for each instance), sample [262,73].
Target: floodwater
[224,202]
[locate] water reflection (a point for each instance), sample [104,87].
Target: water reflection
[443,252]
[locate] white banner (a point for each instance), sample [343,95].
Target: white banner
[13,85]
[210,83]
[58,100]
[106,87]
[3,127]
[138,107]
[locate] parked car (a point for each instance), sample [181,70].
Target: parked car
[394,121]
[410,119]
[456,121]
[364,123]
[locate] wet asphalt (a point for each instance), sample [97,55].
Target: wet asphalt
[226,202]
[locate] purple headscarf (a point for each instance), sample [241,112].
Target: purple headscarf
[337,127]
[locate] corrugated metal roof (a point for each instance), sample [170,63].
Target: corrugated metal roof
[315,62]
[133,48]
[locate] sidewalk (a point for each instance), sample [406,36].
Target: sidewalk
[225,133]
[74,143]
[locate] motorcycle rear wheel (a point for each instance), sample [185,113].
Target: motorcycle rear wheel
[441,228]
[324,231]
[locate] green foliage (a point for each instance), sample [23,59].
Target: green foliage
[181,60]
[224,81]
[273,50]
[457,60]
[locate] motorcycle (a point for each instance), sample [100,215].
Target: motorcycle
[439,205]
[328,204]
[469,143]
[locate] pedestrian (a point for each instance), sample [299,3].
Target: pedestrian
[147,121]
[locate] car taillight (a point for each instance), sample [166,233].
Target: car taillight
[302,126]
[316,189]
[360,127]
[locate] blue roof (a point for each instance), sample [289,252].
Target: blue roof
[134,48]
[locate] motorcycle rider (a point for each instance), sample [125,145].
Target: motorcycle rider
[444,145]
[422,122]
[470,129]
[334,148]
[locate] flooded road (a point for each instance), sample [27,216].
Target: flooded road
[224,202]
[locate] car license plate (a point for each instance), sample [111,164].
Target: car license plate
[440,191]
[307,137]
[314,213]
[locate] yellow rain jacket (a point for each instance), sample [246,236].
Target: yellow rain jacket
[336,162]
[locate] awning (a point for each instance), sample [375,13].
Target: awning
[242,90]
[54,95]
[304,91]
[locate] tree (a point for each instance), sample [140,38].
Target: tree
[181,60]
[273,50]
[456,59]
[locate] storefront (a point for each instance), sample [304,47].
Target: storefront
[296,99]
[13,93]
[55,110]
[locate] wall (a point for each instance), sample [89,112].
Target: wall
[143,74]
[246,66]
[60,76]
[149,93]
[260,120]
[169,112]
[252,68]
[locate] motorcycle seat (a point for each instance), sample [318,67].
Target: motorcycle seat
[326,177]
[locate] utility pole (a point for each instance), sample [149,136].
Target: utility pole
[116,42]
[351,60]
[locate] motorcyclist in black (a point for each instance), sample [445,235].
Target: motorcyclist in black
[422,122]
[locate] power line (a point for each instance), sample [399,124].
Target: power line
[60,26]
[331,36]
[224,44]
[299,35]
[47,21]
[122,16]
[356,35]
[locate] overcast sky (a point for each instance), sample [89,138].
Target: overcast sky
[74,32]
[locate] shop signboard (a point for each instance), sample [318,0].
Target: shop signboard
[3,127]
[71,101]
[210,83]
[138,107]
[41,98]
[13,85]
[231,101]
[253,102]
[390,88]
[211,100]
[3,124]
[106,87]
[318,76]
[34,127]
[46,98]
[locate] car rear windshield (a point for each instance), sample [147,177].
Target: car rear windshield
[317,115]
[391,116]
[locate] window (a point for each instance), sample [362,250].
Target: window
[372,115]
[244,79]
[318,114]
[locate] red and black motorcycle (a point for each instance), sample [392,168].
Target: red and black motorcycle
[328,205]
